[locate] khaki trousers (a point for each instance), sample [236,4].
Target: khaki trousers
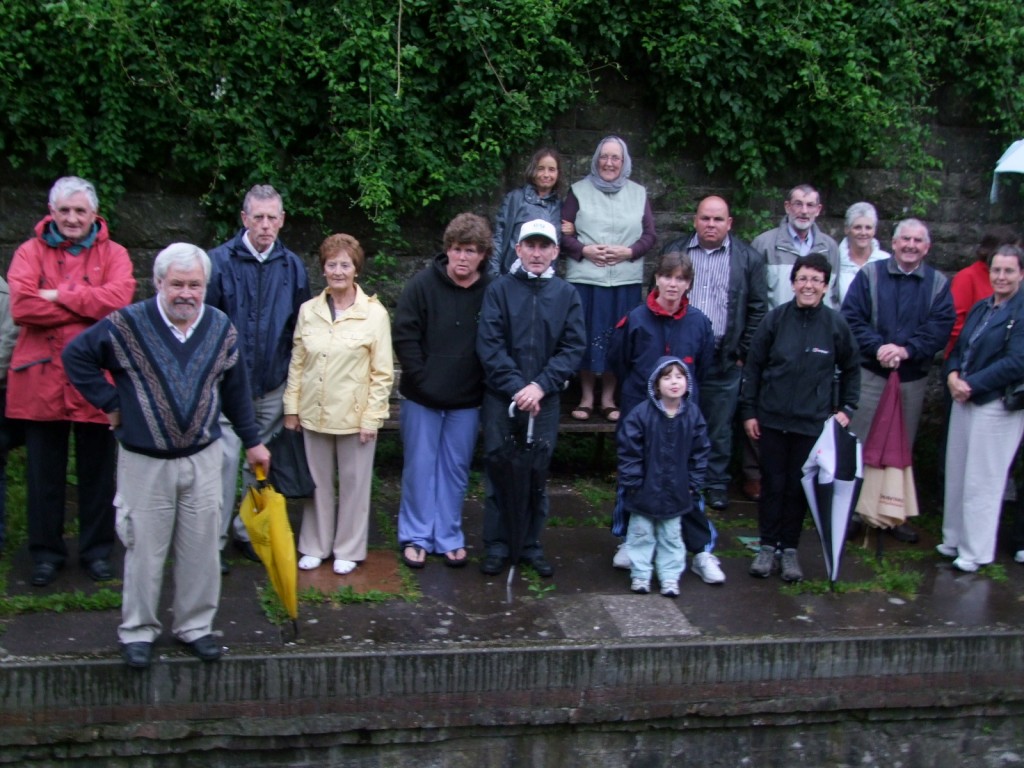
[162,503]
[337,526]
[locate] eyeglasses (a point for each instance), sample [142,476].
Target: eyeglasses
[610,158]
[804,280]
[800,205]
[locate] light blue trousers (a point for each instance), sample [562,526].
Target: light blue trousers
[658,541]
[438,448]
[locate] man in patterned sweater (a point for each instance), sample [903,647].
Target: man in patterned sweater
[175,365]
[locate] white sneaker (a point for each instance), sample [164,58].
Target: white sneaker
[309,563]
[1018,556]
[946,550]
[965,565]
[621,559]
[670,589]
[707,567]
[640,586]
[341,567]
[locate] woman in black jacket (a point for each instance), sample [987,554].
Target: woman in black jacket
[786,398]
[442,382]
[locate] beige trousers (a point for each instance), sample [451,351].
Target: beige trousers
[162,503]
[337,525]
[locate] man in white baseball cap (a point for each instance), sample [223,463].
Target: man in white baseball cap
[530,340]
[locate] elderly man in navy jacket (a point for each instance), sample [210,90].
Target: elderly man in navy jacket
[260,285]
[901,312]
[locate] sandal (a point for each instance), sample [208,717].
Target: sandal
[582,412]
[611,413]
[456,558]
[418,558]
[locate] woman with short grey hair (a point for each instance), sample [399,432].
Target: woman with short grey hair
[859,246]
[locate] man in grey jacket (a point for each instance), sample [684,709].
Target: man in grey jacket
[797,235]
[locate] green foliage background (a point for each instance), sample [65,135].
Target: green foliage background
[395,105]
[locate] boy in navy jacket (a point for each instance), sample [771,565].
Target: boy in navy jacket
[663,455]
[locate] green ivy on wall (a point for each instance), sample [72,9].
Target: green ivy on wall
[395,105]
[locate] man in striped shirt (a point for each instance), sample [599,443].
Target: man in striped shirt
[729,287]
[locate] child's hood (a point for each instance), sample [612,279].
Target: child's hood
[652,381]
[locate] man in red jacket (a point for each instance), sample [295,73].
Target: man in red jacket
[63,280]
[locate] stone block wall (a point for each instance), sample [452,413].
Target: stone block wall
[145,221]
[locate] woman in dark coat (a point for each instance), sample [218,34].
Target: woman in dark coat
[786,397]
[983,435]
[442,382]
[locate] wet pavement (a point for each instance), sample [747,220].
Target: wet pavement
[586,601]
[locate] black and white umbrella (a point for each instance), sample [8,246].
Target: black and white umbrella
[832,477]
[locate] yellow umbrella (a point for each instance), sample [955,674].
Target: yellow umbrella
[266,519]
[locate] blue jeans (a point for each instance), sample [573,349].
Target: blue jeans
[719,395]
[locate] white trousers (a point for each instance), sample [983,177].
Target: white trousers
[980,447]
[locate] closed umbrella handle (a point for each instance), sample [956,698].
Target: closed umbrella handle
[529,424]
[260,474]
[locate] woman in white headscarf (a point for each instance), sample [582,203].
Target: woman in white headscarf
[613,227]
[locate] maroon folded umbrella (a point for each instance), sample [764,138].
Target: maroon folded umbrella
[888,496]
[887,444]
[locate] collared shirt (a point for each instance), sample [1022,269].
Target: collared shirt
[915,272]
[710,290]
[803,246]
[179,334]
[252,248]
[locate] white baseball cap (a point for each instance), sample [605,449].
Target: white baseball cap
[538,228]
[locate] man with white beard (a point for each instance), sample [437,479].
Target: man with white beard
[797,235]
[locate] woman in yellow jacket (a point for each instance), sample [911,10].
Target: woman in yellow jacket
[339,381]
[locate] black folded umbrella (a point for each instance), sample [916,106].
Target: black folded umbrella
[518,472]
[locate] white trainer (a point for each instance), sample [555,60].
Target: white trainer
[309,563]
[708,567]
[640,586]
[341,567]
[965,565]
[946,550]
[1018,556]
[621,559]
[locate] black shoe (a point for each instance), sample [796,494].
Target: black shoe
[99,569]
[44,573]
[716,498]
[245,547]
[492,565]
[540,565]
[904,533]
[225,569]
[137,655]
[205,647]
[855,527]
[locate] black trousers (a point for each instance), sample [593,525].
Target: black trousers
[47,458]
[783,503]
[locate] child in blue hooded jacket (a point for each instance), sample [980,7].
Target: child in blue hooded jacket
[663,453]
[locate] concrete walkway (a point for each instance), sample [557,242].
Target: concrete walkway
[587,600]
